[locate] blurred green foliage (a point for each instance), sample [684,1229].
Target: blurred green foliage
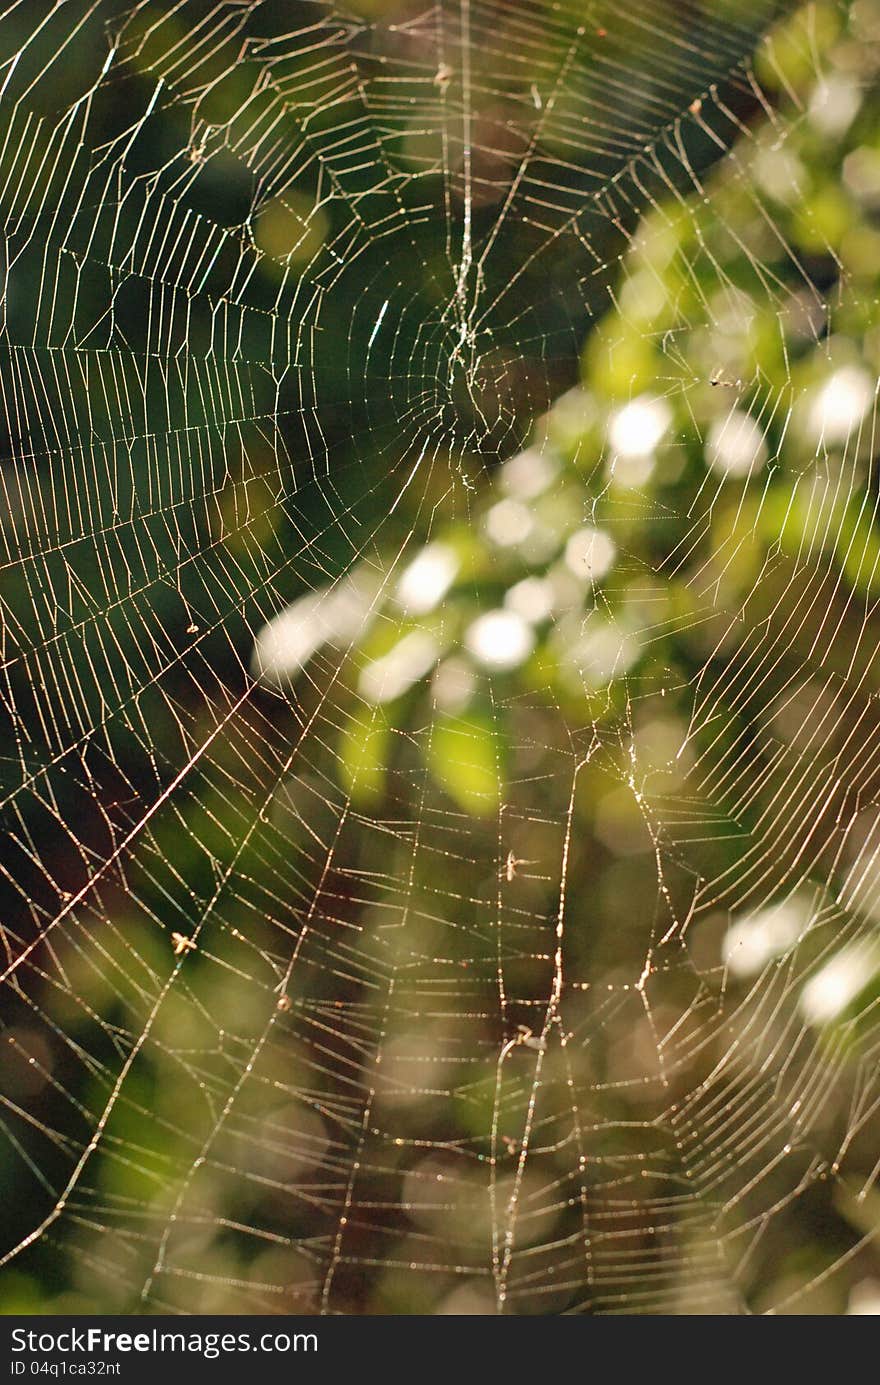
[616,668]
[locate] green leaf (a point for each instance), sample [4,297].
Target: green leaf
[464,761]
[364,746]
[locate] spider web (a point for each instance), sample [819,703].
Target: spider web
[439,694]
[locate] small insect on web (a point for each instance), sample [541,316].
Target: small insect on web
[717,379]
[182,945]
[511,866]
